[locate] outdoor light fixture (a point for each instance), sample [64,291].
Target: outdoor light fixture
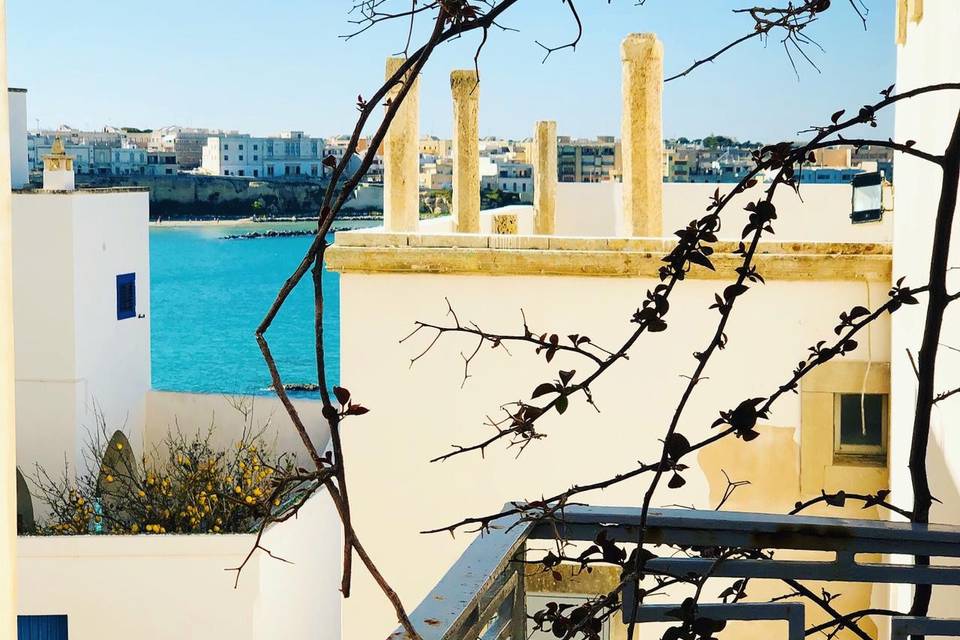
[868,197]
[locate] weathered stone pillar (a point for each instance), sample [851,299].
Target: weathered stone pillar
[465,86]
[401,160]
[642,136]
[545,177]
[8,433]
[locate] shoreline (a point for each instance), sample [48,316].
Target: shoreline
[251,221]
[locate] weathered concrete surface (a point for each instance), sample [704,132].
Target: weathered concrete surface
[401,161]
[465,87]
[545,177]
[642,135]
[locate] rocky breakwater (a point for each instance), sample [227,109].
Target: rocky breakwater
[274,233]
[270,233]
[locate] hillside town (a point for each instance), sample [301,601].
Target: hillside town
[506,169]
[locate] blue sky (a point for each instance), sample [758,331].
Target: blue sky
[262,66]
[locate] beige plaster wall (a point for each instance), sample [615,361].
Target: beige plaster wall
[418,412]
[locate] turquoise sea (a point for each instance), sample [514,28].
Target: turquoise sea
[209,294]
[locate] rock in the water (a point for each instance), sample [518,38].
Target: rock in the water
[270,233]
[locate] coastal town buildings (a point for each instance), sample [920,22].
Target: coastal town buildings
[186,143]
[292,154]
[728,162]
[162,163]
[435,147]
[510,177]
[436,174]
[91,158]
[128,161]
[595,160]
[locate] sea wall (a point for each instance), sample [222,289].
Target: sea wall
[192,196]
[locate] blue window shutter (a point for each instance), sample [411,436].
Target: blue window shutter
[42,628]
[126,296]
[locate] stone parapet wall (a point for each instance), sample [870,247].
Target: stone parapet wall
[371,251]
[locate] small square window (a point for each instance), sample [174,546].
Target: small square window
[860,426]
[126,296]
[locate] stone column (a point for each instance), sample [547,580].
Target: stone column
[545,177]
[401,160]
[465,86]
[642,136]
[8,434]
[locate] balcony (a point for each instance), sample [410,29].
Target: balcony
[501,585]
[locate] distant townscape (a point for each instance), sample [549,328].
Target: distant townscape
[283,174]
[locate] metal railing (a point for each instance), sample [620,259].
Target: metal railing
[482,596]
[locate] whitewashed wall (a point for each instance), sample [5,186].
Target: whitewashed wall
[418,412]
[111,237]
[590,209]
[19,165]
[928,57]
[197,412]
[74,358]
[44,339]
[177,586]
[524,215]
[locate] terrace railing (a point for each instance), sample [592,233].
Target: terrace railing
[482,596]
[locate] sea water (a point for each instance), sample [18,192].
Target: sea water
[209,294]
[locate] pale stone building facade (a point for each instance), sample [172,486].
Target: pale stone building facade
[578,262]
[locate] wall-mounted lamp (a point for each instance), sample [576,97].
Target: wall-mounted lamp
[870,198]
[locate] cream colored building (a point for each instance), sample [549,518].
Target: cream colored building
[437,147]
[587,277]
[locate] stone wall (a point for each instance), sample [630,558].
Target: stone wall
[195,196]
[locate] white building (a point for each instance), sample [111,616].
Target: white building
[84,345]
[510,177]
[186,143]
[162,163]
[90,158]
[291,154]
[19,160]
[436,173]
[927,37]
[128,161]
[81,286]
